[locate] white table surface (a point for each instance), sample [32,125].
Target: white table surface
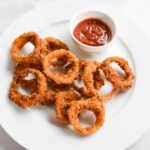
[137,10]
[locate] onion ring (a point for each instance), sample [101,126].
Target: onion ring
[34,98]
[111,75]
[62,103]
[93,81]
[92,105]
[20,42]
[87,77]
[98,80]
[22,66]
[49,96]
[90,77]
[50,44]
[57,77]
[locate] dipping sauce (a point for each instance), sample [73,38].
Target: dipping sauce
[92,32]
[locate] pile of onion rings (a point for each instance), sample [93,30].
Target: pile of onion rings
[52,86]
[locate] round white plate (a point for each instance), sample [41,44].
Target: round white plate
[127,115]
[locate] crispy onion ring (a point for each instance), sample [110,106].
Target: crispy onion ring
[62,103]
[22,66]
[98,80]
[91,78]
[111,75]
[111,94]
[20,42]
[92,105]
[50,44]
[48,97]
[88,76]
[57,77]
[93,81]
[34,98]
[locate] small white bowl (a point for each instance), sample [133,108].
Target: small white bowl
[92,14]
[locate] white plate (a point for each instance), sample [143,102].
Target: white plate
[127,115]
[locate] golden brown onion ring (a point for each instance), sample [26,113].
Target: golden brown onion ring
[122,82]
[20,42]
[49,44]
[92,105]
[62,103]
[22,66]
[34,98]
[57,77]
[91,78]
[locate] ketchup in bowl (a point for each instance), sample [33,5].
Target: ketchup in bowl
[92,32]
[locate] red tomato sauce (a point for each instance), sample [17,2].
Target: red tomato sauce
[92,32]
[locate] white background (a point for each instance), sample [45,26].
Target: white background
[136,10]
